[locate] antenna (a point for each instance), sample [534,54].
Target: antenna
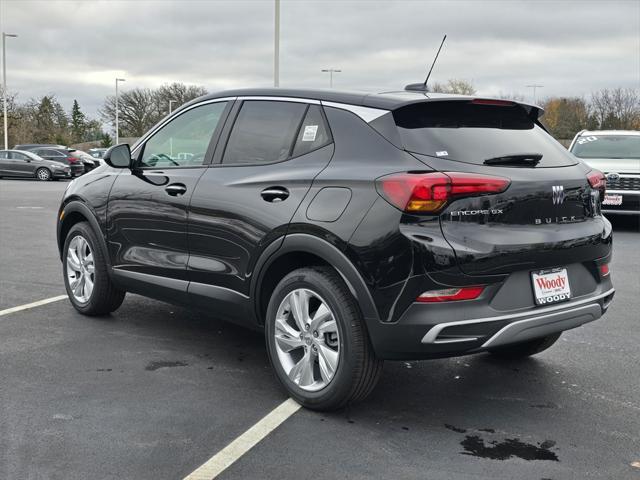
[434,62]
[422,87]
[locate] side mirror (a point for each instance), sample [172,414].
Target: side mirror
[118,156]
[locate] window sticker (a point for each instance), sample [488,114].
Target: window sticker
[310,132]
[442,153]
[590,138]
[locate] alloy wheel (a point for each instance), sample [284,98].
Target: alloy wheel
[307,339]
[43,174]
[80,269]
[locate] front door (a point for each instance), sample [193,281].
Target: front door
[147,207]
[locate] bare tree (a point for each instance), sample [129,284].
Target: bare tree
[617,108]
[454,85]
[137,111]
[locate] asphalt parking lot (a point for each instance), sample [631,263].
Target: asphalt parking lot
[155,390]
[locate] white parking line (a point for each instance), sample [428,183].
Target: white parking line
[32,305]
[241,445]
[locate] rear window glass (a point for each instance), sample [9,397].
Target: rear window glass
[472,133]
[607,146]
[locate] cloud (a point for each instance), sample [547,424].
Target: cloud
[75,49]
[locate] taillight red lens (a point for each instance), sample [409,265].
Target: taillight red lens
[604,270]
[450,294]
[430,192]
[598,181]
[72,159]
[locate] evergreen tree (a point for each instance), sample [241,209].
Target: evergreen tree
[78,123]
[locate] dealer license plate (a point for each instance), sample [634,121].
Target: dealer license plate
[612,199]
[551,286]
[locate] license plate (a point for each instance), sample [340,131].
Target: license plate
[612,199]
[551,286]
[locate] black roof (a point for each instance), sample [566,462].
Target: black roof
[385,100]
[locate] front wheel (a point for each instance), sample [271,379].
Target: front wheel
[85,273]
[43,174]
[525,349]
[318,342]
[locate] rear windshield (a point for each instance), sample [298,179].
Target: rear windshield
[472,133]
[607,146]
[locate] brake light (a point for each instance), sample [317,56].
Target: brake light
[490,101]
[72,159]
[451,294]
[430,192]
[604,270]
[598,181]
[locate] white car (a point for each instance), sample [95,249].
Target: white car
[617,154]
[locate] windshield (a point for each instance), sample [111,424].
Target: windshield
[607,146]
[473,132]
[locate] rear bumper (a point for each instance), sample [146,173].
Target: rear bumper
[460,328]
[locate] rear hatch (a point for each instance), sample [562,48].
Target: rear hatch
[548,216]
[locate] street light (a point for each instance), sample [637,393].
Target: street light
[276,46]
[170,103]
[331,71]
[4,87]
[535,87]
[117,131]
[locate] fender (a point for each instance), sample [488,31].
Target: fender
[301,242]
[77,206]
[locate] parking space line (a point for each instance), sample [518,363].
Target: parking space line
[241,445]
[32,305]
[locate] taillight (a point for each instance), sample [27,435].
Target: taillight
[450,294]
[72,159]
[598,181]
[604,270]
[430,192]
[491,101]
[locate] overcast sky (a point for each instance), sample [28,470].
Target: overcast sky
[75,49]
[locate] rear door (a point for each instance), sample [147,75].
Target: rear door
[549,215]
[23,165]
[147,208]
[272,153]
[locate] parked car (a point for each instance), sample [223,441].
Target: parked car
[17,163]
[87,160]
[32,146]
[97,152]
[351,228]
[62,155]
[617,154]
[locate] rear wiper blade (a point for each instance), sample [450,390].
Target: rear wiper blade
[515,159]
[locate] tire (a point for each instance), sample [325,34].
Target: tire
[103,298]
[525,349]
[43,174]
[357,371]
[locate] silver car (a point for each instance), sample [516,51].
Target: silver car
[617,154]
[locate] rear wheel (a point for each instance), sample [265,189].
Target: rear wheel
[525,349]
[43,174]
[317,340]
[85,273]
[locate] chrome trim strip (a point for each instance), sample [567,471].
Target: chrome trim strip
[432,334]
[622,212]
[623,192]
[365,113]
[169,118]
[626,175]
[532,319]
[281,99]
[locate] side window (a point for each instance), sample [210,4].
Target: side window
[4,154]
[183,142]
[313,133]
[263,132]
[19,156]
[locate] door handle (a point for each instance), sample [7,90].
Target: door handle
[176,189]
[275,194]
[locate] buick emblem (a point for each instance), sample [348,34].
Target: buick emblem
[613,177]
[558,194]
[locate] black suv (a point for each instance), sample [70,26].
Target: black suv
[352,228]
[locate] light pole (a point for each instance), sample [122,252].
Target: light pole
[331,71]
[4,87]
[170,103]
[276,46]
[535,87]
[117,131]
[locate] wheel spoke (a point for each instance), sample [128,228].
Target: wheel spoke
[88,263]
[301,370]
[322,315]
[88,286]
[299,302]
[72,262]
[328,361]
[288,338]
[306,373]
[328,327]
[77,291]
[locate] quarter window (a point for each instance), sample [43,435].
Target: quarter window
[264,132]
[313,132]
[184,141]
